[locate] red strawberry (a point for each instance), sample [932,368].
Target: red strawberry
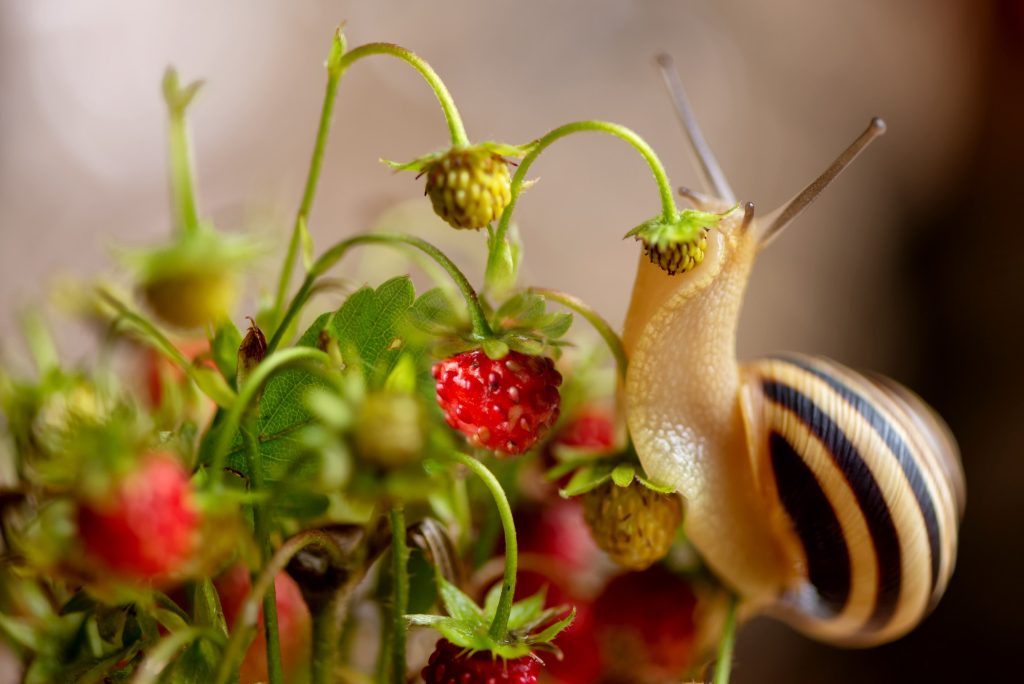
[556,531]
[293,622]
[451,664]
[145,528]
[504,405]
[645,625]
[590,429]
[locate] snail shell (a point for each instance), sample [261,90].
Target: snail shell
[822,496]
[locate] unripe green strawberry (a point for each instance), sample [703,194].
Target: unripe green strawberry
[634,525]
[192,297]
[469,186]
[678,257]
[389,429]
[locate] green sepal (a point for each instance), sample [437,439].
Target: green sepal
[623,474]
[420,163]
[588,477]
[661,233]
[205,250]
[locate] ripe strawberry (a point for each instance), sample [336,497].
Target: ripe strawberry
[451,664]
[145,528]
[468,186]
[504,405]
[293,622]
[160,373]
[591,429]
[644,622]
[555,532]
[635,525]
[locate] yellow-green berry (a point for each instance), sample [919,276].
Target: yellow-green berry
[469,186]
[634,525]
[678,257]
[389,429]
[191,298]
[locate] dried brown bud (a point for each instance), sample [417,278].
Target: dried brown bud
[250,352]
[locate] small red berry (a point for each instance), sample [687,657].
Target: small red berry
[293,622]
[450,663]
[591,429]
[146,527]
[504,405]
[645,625]
[556,533]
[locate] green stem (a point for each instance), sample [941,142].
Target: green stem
[315,166]
[499,626]
[606,332]
[338,62]
[180,153]
[248,614]
[400,593]
[669,211]
[325,640]
[481,329]
[261,523]
[723,664]
[247,394]
[456,129]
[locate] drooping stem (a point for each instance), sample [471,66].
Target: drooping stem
[183,200]
[338,61]
[669,210]
[400,593]
[610,337]
[261,523]
[499,626]
[481,328]
[723,664]
[241,631]
[247,394]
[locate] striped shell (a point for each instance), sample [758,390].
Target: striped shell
[819,495]
[868,480]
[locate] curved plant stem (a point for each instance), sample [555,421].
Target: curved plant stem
[481,329]
[338,61]
[723,664]
[400,593]
[669,211]
[275,672]
[248,615]
[499,626]
[326,634]
[606,332]
[247,394]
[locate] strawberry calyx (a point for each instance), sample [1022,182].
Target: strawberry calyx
[677,245]
[490,147]
[531,626]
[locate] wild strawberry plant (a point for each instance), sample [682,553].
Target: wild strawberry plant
[293,500]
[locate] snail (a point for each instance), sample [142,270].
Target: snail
[822,496]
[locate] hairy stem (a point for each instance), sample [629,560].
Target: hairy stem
[499,626]
[606,332]
[481,329]
[669,211]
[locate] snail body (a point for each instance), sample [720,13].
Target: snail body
[822,496]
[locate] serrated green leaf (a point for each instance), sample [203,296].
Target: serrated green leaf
[458,605]
[623,474]
[375,324]
[434,312]
[522,309]
[587,478]
[525,612]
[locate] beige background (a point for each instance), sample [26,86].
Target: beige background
[780,86]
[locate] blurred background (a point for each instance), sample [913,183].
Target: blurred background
[910,265]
